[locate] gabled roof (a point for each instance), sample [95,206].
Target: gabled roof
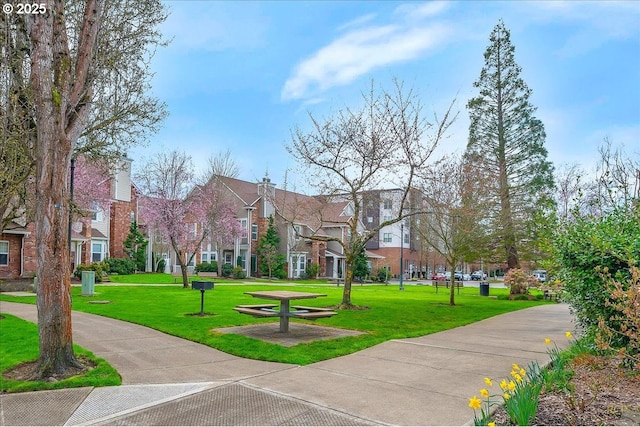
[15,228]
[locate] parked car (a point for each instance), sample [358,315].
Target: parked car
[541,275]
[466,277]
[437,276]
[457,275]
[479,275]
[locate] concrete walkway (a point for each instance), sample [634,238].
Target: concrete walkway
[171,381]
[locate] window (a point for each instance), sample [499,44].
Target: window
[4,253]
[98,214]
[387,218]
[406,237]
[369,219]
[97,251]
[297,235]
[388,204]
[387,237]
[254,232]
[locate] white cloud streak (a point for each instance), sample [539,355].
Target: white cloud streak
[363,49]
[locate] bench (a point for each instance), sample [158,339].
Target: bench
[258,306]
[176,275]
[550,294]
[312,315]
[257,312]
[207,274]
[441,283]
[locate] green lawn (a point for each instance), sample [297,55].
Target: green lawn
[392,314]
[20,344]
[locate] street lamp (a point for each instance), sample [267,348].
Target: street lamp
[401,255]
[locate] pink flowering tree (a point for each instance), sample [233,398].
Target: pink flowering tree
[221,220]
[173,206]
[91,187]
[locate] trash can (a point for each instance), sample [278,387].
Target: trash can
[88,283]
[484,289]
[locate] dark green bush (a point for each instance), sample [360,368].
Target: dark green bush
[238,273]
[382,275]
[98,267]
[312,270]
[227,270]
[121,265]
[207,267]
[161,264]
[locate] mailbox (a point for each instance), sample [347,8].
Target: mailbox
[201,286]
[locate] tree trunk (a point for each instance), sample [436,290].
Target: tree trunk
[348,280]
[452,293]
[53,159]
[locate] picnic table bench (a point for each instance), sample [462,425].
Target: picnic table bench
[445,283]
[311,313]
[285,311]
[207,274]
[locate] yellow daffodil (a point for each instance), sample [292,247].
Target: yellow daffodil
[506,396]
[511,386]
[523,372]
[475,403]
[492,424]
[488,381]
[568,334]
[503,384]
[518,378]
[515,367]
[513,374]
[547,341]
[484,393]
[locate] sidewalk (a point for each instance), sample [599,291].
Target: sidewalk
[171,381]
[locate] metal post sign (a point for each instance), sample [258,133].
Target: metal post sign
[201,286]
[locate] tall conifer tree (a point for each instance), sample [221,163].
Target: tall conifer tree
[507,141]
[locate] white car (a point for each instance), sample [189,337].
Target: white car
[479,275]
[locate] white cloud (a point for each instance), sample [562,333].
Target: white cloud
[360,50]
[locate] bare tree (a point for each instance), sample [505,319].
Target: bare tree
[221,222]
[453,191]
[616,182]
[569,181]
[359,150]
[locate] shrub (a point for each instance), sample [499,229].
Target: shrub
[588,245]
[161,265]
[121,265]
[382,275]
[621,332]
[207,267]
[519,282]
[97,267]
[238,273]
[312,270]
[227,270]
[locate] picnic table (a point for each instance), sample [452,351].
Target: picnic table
[285,311]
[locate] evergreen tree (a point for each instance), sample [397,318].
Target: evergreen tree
[360,266]
[507,142]
[136,246]
[271,262]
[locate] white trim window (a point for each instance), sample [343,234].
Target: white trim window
[254,232]
[98,250]
[387,237]
[4,253]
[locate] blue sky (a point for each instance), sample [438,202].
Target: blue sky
[240,75]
